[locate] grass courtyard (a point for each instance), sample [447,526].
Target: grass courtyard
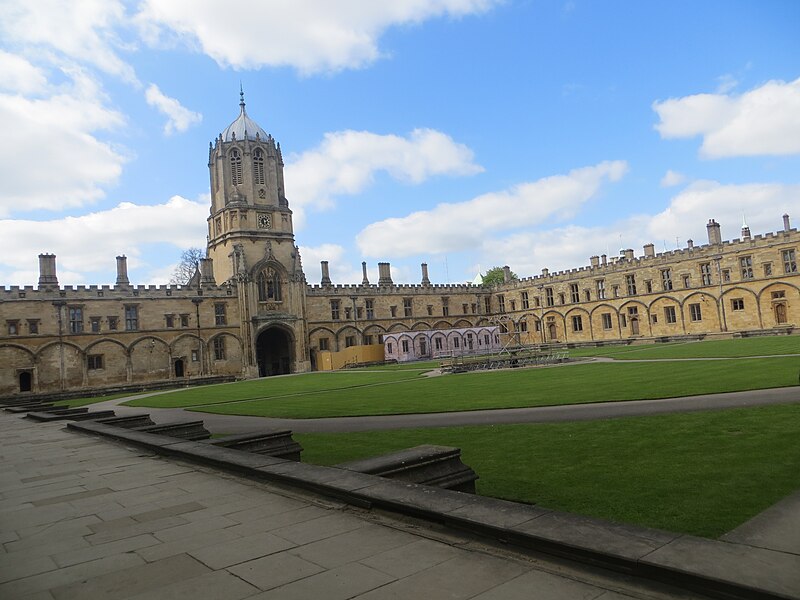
[698,473]
[732,348]
[406,391]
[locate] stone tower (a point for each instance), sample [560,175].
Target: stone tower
[251,242]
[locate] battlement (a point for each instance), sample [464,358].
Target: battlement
[91,292]
[618,264]
[387,290]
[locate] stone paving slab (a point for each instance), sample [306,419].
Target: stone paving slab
[777,528]
[766,571]
[186,531]
[591,541]
[125,583]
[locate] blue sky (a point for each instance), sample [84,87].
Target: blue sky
[461,133]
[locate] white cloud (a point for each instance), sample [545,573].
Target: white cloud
[341,271]
[344,272]
[125,229]
[464,225]
[346,162]
[309,35]
[672,178]
[82,30]
[179,118]
[50,158]
[725,83]
[20,76]
[762,121]
[689,211]
[685,218]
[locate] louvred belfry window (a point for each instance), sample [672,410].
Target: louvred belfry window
[258,166]
[236,167]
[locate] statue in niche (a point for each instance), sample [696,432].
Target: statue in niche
[269,286]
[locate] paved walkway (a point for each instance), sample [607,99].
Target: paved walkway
[544,414]
[81,517]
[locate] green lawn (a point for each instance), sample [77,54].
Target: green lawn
[598,382]
[756,346]
[274,387]
[698,473]
[413,366]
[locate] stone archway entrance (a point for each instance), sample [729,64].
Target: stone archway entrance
[274,352]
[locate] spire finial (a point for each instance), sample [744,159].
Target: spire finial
[241,95]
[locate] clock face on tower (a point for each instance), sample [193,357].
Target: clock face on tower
[264,221]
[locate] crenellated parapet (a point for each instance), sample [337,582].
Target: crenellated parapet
[725,251]
[86,292]
[414,289]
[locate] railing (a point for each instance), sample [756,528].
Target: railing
[506,360]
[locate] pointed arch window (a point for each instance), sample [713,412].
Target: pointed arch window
[258,166]
[269,286]
[236,167]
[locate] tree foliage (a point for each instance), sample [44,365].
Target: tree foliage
[495,276]
[188,264]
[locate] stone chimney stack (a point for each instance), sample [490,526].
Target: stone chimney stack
[690,244]
[786,225]
[506,274]
[122,270]
[545,272]
[604,260]
[207,272]
[627,253]
[649,250]
[47,271]
[425,279]
[365,279]
[385,274]
[326,276]
[594,261]
[714,234]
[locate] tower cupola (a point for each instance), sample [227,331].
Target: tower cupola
[243,128]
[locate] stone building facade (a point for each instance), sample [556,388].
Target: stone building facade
[250,312]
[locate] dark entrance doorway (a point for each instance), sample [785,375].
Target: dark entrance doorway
[274,352]
[179,367]
[25,381]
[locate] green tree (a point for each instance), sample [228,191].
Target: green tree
[495,276]
[184,270]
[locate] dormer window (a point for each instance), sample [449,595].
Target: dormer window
[258,166]
[236,167]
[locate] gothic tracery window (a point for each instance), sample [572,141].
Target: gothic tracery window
[269,286]
[236,167]
[258,166]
